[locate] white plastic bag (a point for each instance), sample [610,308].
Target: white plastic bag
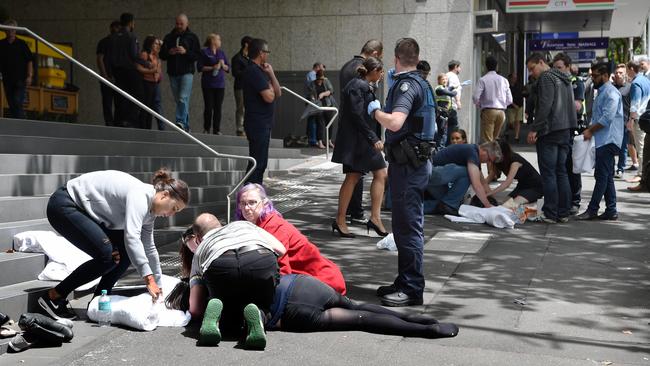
[584,155]
[388,243]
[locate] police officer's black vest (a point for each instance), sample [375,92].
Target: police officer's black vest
[420,124]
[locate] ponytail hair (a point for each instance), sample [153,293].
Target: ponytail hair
[163,181]
[369,64]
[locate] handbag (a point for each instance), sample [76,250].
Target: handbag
[644,121]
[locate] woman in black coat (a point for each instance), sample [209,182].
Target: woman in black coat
[359,148]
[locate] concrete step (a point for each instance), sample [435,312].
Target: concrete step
[20,144]
[10,126]
[12,185]
[56,164]
[22,208]
[9,229]
[20,267]
[21,297]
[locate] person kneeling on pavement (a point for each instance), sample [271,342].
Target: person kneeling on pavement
[455,168]
[237,265]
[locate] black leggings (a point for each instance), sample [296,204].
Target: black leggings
[213,100]
[313,306]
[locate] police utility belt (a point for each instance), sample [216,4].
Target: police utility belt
[404,152]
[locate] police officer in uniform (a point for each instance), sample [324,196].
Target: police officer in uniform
[409,118]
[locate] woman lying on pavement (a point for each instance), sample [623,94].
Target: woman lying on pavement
[305,304]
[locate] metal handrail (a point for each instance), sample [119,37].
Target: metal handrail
[327,131]
[149,110]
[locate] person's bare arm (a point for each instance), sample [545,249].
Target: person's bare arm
[475,179]
[391,121]
[514,167]
[198,296]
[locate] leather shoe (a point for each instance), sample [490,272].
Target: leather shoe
[385,290]
[587,215]
[607,216]
[399,298]
[444,209]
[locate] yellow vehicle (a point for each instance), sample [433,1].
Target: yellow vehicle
[49,97]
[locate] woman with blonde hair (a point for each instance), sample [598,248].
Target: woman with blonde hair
[213,65]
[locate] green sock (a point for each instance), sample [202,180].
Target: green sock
[209,334]
[255,338]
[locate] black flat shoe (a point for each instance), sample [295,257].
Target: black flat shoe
[609,217]
[335,227]
[587,216]
[371,225]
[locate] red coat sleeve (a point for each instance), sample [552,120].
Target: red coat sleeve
[302,256]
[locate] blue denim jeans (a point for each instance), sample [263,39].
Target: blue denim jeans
[622,155]
[157,106]
[407,193]
[74,224]
[182,90]
[552,153]
[448,184]
[604,174]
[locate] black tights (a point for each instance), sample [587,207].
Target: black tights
[314,306]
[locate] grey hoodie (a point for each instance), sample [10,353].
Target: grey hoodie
[554,107]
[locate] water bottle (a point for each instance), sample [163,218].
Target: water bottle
[104,318]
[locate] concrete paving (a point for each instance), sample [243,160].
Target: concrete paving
[564,294]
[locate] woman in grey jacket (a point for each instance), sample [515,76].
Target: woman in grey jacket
[110,216]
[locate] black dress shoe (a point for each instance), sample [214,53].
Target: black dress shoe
[607,216]
[444,209]
[385,290]
[399,298]
[587,215]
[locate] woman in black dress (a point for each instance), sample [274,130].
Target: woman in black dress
[529,182]
[359,148]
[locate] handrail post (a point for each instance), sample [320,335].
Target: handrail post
[327,132]
[149,110]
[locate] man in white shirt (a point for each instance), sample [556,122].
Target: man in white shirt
[492,96]
[453,83]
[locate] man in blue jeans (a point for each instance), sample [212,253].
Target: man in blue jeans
[606,128]
[181,49]
[454,169]
[555,116]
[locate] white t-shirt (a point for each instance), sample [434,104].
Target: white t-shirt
[453,80]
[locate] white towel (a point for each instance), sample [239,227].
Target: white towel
[499,217]
[138,312]
[63,256]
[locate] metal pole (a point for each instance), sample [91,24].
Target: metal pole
[149,110]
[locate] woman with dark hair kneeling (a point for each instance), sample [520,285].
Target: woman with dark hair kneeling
[110,216]
[529,182]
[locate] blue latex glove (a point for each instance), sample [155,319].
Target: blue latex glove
[374,105]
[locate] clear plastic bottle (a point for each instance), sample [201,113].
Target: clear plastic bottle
[104,318]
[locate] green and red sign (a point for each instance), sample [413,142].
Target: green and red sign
[544,6]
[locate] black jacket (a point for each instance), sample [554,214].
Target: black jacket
[238,63]
[181,64]
[356,135]
[122,50]
[554,108]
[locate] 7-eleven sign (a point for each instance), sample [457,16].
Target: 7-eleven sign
[545,6]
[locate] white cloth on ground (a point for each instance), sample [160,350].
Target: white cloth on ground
[583,155]
[138,312]
[63,256]
[499,217]
[388,243]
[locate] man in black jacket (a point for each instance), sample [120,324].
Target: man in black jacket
[555,116]
[123,55]
[181,49]
[238,64]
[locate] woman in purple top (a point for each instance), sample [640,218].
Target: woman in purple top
[214,65]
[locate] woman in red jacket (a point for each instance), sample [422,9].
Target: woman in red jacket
[302,256]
